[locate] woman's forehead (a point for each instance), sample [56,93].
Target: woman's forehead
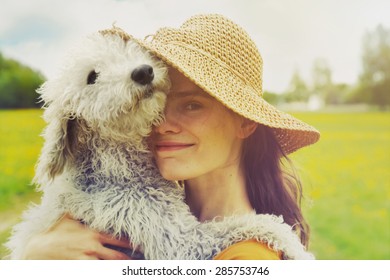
[181,86]
[180,83]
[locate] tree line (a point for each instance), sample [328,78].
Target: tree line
[372,87]
[18,84]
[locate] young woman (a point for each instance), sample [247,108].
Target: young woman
[220,139]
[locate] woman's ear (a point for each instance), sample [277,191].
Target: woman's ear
[247,128]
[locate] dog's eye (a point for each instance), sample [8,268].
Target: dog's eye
[92,76]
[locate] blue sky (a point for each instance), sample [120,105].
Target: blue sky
[290,34]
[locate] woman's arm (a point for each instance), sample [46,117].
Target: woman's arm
[71,240]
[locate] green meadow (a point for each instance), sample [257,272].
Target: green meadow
[346,178]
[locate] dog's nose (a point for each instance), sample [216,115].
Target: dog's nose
[143,74]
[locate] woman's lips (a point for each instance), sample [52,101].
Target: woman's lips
[171,146]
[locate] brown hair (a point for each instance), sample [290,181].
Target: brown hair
[271,181]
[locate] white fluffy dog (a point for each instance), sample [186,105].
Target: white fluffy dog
[95,164]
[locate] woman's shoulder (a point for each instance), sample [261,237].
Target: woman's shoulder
[248,250]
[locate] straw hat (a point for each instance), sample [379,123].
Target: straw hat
[219,56]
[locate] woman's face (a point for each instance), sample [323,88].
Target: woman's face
[199,135]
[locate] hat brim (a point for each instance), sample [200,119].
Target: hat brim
[219,81]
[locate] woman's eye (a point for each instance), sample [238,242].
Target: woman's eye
[92,76]
[193,106]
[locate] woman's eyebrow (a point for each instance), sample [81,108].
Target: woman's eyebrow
[189,93]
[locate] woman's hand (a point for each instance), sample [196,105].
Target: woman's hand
[71,240]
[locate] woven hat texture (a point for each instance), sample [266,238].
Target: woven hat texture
[221,58]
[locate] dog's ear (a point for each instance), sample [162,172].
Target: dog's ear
[63,152]
[58,150]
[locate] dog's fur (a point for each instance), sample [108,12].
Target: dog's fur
[95,164]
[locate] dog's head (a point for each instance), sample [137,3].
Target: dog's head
[109,84]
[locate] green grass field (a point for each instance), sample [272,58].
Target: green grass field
[20,143]
[346,180]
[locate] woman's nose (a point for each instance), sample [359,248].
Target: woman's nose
[169,125]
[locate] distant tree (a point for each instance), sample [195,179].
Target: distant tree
[322,78]
[321,73]
[273,98]
[337,94]
[374,81]
[18,84]
[297,89]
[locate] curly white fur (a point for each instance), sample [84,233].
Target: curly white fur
[95,164]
